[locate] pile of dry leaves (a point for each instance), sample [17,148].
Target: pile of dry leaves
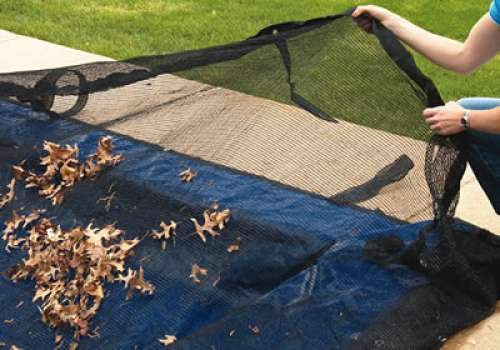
[71,267]
[63,168]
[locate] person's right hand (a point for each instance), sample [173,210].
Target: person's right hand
[363,15]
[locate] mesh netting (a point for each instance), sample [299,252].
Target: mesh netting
[311,134]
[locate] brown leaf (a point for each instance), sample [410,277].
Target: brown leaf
[9,196]
[235,246]
[199,230]
[57,153]
[167,232]
[212,220]
[126,278]
[139,284]
[196,271]
[91,169]
[70,172]
[168,340]
[127,245]
[12,225]
[96,236]
[104,154]
[220,218]
[33,217]
[107,200]
[134,281]
[187,175]
[255,329]
[19,172]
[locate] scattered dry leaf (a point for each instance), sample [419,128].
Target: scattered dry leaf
[168,340]
[196,271]
[220,218]
[187,175]
[167,232]
[212,220]
[107,201]
[235,247]
[13,347]
[9,196]
[8,321]
[216,282]
[104,154]
[255,329]
[134,281]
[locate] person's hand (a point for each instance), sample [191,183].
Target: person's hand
[445,120]
[363,14]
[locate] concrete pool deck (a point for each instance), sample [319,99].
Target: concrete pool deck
[20,53]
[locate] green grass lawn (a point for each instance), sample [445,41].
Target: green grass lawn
[126,28]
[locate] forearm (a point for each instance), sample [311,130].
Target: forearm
[440,50]
[486,121]
[481,45]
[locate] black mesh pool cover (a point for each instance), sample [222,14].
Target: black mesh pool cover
[310,133]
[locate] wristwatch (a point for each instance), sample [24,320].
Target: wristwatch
[465,121]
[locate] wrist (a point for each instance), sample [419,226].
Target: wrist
[465,120]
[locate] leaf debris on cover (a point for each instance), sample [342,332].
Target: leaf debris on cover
[168,340]
[234,247]
[187,175]
[196,272]
[167,232]
[70,268]
[63,168]
[14,223]
[212,220]
[9,196]
[107,200]
[135,282]
[255,329]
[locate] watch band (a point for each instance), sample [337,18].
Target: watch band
[465,121]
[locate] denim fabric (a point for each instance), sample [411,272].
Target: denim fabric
[484,151]
[495,11]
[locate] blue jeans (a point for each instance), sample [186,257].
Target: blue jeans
[483,151]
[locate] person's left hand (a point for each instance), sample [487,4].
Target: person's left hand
[445,120]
